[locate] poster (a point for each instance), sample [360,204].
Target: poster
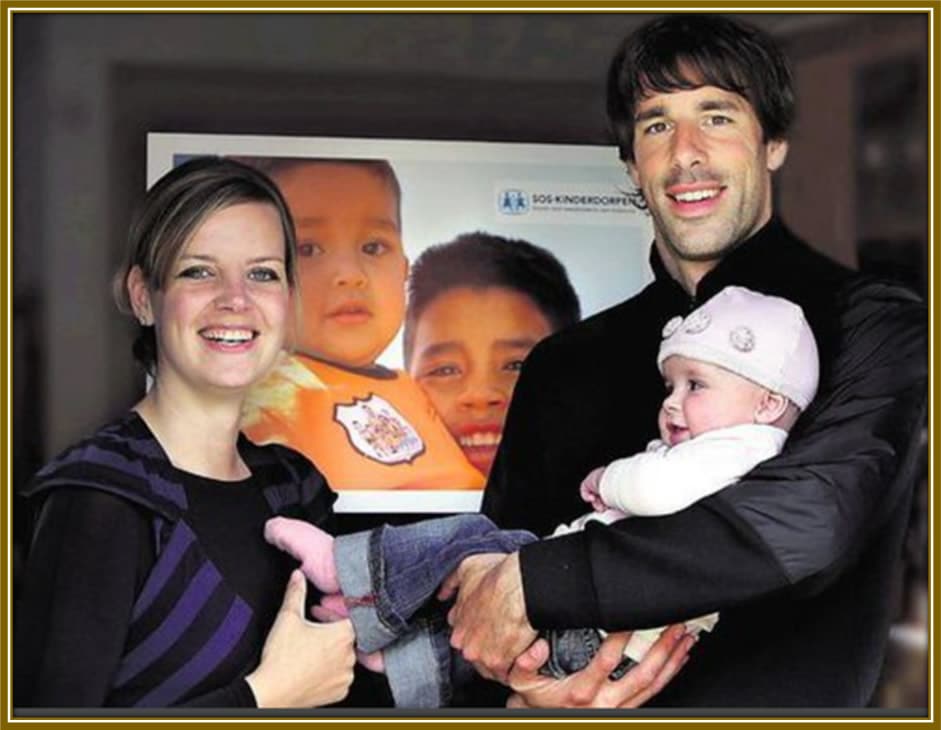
[570,201]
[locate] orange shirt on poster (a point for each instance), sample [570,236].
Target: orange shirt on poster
[363,428]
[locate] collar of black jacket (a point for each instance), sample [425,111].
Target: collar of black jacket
[758,262]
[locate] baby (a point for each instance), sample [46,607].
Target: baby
[738,372]
[364,426]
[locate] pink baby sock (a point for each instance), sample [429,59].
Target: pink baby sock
[308,544]
[373,662]
[333,608]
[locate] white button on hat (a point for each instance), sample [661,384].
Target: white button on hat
[760,337]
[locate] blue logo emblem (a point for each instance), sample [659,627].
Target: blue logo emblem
[513,202]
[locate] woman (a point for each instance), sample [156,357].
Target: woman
[149,582]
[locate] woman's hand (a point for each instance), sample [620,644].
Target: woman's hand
[591,687]
[303,664]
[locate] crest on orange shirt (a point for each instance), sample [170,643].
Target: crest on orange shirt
[378,431]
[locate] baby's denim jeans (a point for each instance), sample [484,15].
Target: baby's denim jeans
[389,576]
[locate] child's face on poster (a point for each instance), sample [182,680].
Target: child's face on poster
[468,350]
[351,266]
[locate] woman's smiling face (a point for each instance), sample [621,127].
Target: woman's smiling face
[221,316]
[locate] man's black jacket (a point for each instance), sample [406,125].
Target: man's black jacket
[798,556]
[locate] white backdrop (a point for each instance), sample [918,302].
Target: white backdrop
[569,199]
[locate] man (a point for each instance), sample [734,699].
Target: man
[799,555]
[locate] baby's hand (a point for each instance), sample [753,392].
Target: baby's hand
[589,489]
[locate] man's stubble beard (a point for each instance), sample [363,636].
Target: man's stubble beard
[698,246]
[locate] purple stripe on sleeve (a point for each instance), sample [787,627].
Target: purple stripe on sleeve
[148,447]
[177,621]
[177,546]
[280,495]
[94,454]
[171,491]
[223,641]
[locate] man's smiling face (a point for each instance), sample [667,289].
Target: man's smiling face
[703,166]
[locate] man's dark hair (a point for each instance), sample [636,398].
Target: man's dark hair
[481,260]
[686,51]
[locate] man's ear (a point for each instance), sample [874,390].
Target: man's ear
[632,173]
[139,293]
[770,407]
[776,153]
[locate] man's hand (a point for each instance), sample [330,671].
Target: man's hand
[489,622]
[468,574]
[591,687]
